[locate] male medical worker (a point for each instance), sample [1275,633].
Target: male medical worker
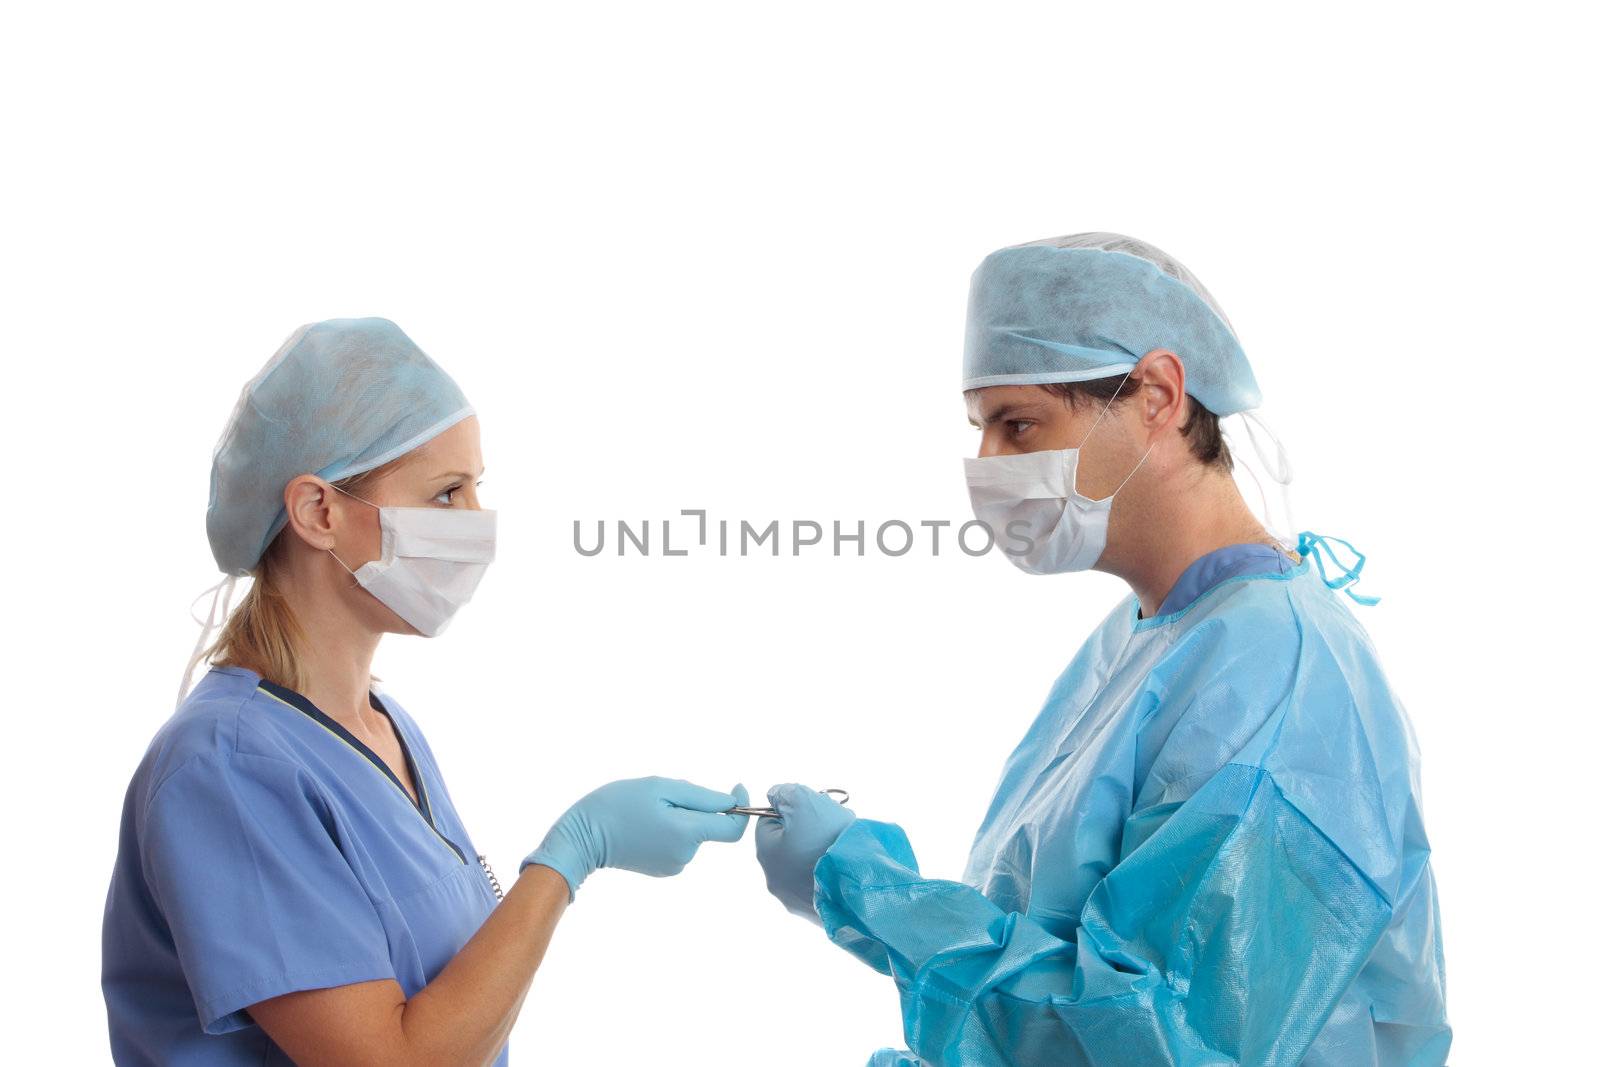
[1208,848]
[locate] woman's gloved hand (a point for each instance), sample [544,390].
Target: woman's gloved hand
[650,825]
[790,845]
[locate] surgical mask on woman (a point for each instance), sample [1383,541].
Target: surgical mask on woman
[430,562]
[1033,498]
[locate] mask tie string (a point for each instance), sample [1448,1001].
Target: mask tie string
[1117,393]
[1135,470]
[330,551]
[1266,504]
[342,563]
[1274,461]
[1097,418]
[1318,545]
[222,591]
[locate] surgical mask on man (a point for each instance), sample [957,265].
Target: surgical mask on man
[1032,498]
[430,562]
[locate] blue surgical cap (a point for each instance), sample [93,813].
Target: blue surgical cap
[340,397]
[1090,305]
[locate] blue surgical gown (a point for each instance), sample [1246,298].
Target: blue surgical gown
[1207,850]
[264,849]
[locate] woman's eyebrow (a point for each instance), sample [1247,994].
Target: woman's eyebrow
[455,474]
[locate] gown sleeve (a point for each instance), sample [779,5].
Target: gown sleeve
[1227,931]
[242,858]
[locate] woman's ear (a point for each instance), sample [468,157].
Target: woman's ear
[306,502]
[1161,380]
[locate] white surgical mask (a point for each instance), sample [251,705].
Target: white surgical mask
[1031,503]
[430,562]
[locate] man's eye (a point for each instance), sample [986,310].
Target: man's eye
[1019,426]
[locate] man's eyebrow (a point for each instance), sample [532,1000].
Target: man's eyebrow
[999,414]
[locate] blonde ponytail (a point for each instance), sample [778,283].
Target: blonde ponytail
[262,633]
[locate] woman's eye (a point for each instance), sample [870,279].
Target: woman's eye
[446,494]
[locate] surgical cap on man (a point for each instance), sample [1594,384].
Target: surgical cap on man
[1091,305]
[340,397]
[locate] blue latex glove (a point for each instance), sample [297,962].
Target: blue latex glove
[650,825]
[790,845]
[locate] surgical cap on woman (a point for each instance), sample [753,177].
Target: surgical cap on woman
[340,397]
[1090,305]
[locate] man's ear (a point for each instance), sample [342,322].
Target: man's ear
[306,502]
[1162,381]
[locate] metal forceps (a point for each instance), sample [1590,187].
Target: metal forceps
[772,813]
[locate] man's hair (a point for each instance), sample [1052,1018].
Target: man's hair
[1201,427]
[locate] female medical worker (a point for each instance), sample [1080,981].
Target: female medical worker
[293,883]
[1208,849]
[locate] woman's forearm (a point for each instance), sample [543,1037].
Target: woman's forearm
[465,1014]
[461,1019]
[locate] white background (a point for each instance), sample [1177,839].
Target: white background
[716,255]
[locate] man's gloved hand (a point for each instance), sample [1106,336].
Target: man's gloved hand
[790,846]
[650,825]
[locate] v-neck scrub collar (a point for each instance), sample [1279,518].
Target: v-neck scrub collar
[285,695]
